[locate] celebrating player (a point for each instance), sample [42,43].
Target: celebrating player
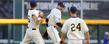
[32,33]
[75,28]
[54,22]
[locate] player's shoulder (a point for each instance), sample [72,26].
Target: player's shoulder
[80,19]
[68,20]
[56,10]
[37,10]
[53,9]
[34,10]
[30,10]
[76,19]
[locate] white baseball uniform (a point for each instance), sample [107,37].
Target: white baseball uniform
[54,17]
[75,29]
[31,34]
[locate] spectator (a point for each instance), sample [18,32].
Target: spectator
[106,38]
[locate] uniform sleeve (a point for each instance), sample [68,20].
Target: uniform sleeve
[48,16]
[57,17]
[84,26]
[51,13]
[65,27]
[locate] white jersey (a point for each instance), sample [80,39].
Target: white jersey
[54,17]
[75,28]
[32,23]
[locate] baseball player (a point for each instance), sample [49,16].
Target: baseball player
[75,28]
[32,33]
[54,22]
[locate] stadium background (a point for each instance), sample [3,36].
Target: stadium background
[17,9]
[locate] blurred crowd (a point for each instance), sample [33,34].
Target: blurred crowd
[6,8]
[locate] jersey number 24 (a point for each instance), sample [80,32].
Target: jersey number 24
[74,27]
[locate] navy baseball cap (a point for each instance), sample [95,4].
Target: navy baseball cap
[61,4]
[33,3]
[73,9]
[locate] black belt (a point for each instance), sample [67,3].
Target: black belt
[33,28]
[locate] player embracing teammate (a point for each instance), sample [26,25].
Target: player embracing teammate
[32,32]
[54,19]
[74,27]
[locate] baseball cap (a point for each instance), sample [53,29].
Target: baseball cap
[33,3]
[73,9]
[61,4]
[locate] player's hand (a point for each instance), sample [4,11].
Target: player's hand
[87,42]
[56,26]
[62,42]
[40,19]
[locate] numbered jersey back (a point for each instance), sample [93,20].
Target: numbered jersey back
[76,28]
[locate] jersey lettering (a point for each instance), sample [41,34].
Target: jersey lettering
[74,27]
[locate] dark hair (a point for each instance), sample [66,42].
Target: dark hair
[73,9]
[33,4]
[61,4]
